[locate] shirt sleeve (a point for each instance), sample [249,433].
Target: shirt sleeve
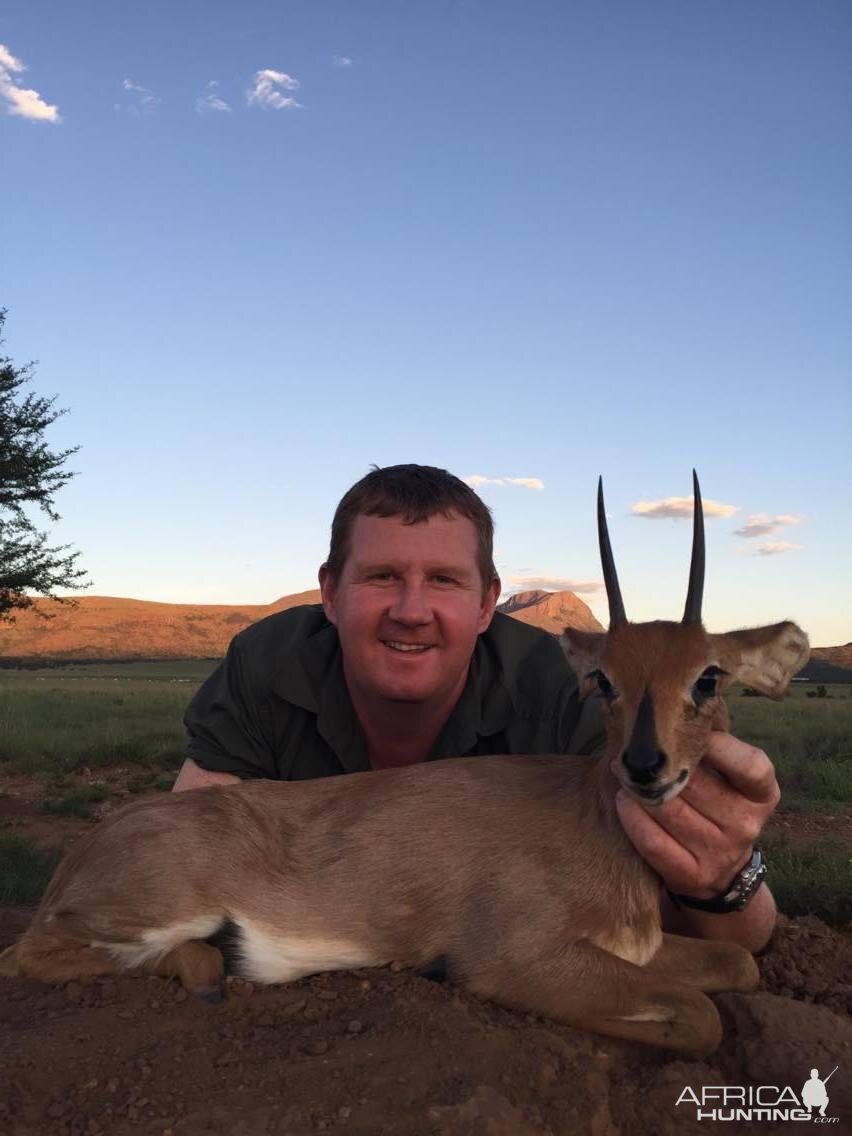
[586,735]
[224,725]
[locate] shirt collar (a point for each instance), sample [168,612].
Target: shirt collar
[315,682]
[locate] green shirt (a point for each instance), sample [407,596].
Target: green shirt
[278,706]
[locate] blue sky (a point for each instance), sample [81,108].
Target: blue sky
[256,248]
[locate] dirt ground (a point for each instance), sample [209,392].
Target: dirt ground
[385,1051]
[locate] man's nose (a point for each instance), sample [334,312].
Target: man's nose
[411,604]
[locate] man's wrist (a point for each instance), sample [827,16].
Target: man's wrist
[751,928]
[736,896]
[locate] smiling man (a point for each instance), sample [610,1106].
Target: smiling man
[406,661]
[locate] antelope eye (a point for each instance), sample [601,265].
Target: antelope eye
[707,685]
[605,687]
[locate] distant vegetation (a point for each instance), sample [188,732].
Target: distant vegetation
[96,714]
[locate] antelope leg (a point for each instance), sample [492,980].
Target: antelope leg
[591,989]
[56,957]
[704,964]
[199,966]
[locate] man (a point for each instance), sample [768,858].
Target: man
[406,661]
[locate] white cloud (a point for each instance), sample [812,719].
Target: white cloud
[144,102]
[204,104]
[8,60]
[773,548]
[266,91]
[555,584]
[681,507]
[22,101]
[761,524]
[477,479]
[342,61]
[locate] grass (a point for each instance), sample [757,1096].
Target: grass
[808,739]
[25,869]
[52,723]
[76,802]
[814,880]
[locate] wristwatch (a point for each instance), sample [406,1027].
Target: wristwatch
[736,895]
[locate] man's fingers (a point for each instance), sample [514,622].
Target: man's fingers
[669,858]
[689,825]
[691,853]
[745,767]
[708,796]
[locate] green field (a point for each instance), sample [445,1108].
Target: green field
[56,722]
[60,719]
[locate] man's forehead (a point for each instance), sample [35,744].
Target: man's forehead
[443,535]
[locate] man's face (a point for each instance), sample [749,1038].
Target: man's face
[408,607]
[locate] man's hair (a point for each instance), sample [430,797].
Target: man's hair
[414,493]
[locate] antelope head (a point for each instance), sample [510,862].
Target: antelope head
[662,683]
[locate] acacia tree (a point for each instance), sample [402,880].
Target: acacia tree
[30,475]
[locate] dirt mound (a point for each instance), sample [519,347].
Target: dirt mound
[383,1051]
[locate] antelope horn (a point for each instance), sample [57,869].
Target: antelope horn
[695,594]
[613,592]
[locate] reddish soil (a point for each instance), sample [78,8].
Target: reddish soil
[384,1051]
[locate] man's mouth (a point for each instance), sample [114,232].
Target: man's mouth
[413,648]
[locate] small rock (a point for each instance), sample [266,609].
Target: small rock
[396,967]
[354,1026]
[345,1112]
[318,1047]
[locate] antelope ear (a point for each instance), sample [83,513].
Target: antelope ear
[765,658]
[583,649]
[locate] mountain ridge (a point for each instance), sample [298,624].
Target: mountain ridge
[112,628]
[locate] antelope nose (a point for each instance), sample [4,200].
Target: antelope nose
[643,763]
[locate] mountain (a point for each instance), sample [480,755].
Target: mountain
[105,627]
[552,611]
[818,670]
[835,656]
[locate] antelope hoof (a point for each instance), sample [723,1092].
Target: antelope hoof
[215,995]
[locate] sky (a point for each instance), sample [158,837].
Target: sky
[256,249]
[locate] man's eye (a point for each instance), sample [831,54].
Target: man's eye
[445,580]
[605,687]
[706,685]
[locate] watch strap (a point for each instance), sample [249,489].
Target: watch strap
[736,895]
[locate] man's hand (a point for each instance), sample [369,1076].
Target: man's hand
[699,841]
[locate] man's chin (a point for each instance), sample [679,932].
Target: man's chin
[405,696]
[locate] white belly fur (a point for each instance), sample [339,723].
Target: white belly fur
[269,957]
[155,944]
[266,957]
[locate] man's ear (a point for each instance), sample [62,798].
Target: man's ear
[583,649]
[765,658]
[328,591]
[489,603]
